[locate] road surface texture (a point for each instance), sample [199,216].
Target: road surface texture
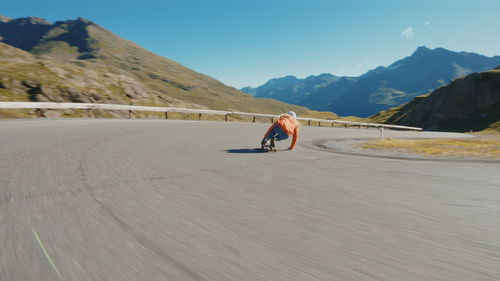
[190,200]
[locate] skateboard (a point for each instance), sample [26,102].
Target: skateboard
[268,148]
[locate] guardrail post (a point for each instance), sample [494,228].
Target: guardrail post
[345,125]
[129,114]
[89,113]
[225,117]
[199,116]
[308,122]
[39,113]
[253,119]
[166,114]
[332,124]
[381,133]
[319,123]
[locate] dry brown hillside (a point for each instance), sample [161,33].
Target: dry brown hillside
[79,61]
[467,103]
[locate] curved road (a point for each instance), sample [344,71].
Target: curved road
[184,200]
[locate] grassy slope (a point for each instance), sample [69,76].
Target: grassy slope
[118,71]
[170,80]
[483,118]
[396,114]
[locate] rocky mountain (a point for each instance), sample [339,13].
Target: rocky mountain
[383,87]
[290,89]
[80,61]
[468,103]
[4,18]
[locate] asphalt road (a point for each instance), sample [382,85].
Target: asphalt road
[181,200]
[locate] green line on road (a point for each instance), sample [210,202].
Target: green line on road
[45,251]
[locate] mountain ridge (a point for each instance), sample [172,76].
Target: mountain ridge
[384,86]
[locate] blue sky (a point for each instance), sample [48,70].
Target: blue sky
[242,42]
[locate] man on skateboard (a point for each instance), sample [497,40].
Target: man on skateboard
[286,126]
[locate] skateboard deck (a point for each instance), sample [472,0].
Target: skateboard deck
[268,148]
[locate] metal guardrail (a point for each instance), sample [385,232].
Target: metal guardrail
[130,108]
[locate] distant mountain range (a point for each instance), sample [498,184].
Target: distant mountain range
[468,103]
[79,61]
[378,89]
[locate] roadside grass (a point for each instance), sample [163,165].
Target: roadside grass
[488,134]
[474,148]
[16,113]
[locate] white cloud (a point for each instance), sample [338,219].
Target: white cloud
[408,33]
[427,22]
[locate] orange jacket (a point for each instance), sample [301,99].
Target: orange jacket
[289,125]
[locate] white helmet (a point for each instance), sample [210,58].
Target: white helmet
[291,113]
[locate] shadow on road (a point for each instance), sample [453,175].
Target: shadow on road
[245,150]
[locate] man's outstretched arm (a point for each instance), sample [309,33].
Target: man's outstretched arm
[295,137]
